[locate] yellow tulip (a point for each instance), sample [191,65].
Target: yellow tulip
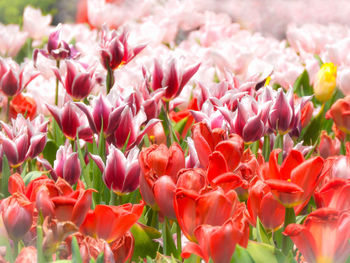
[325,82]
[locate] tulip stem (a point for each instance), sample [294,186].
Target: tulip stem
[289,219]
[15,248]
[266,147]
[178,237]
[109,80]
[57,83]
[8,108]
[279,145]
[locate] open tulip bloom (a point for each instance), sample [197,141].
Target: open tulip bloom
[166,132]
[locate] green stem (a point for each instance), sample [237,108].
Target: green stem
[255,147]
[178,237]
[279,145]
[287,243]
[266,147]
[8,108]
[57,82]
[110,79]
[15,248]
[164,236]
[39,244]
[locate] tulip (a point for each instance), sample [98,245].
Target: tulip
[27,254]
[17,214]
[338,113]
[323,237]
[111,222]
[16,184]
[214,208]
[335,194]
[115,50]
[91,248]
[283,117]
[78,81]
[12,80]
[294,182]
[328,146]
[24,105]
[205,141]
[120,174]
[123,248]
[160,166]
[191,179]
[225,157]
[216,242]
[66,165]
[325,82]
[172,80]
[69,121]
[57,49]
[35,23]
[262,204]
[73,207]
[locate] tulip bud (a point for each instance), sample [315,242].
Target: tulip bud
[325,82]
[17,214]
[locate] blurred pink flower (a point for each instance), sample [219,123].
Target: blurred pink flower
[35,24]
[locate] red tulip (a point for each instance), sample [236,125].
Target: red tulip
[123,248]
[324,236]
[328,146]
[294,182]
[192,179]
[27,255]
[159,166]
[339,113]
[16,184]
[17,214]
[111,222]
[225,157]
[205,141]
[262,204]
[73,207]
[24,105]
[335,194]
[213,208]
[216,242]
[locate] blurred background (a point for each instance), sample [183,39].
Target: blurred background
[61,10]
[270,17]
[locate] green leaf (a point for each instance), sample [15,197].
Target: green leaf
[5,242]
[31,176]
[312,131]
[76,257]
[39,244]
[169,247]
[100,258]
[5,175]
[261,233]
[302,85]
[180,126]
[241,255]
[144,241]
[262,253]
[50,151]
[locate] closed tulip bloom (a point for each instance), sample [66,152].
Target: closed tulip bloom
[323,237]
[120,174]
[17,215]
[328,146]
[325,82]
[294,182]
[78,80]
[262,204]
[212,208]
[217,242]
[339,114]
[160,166]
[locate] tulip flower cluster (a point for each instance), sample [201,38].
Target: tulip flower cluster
[169,133]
